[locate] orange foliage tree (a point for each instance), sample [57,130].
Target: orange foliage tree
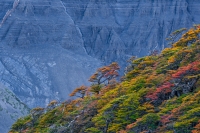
[105,74]
[80,91]
[196,128]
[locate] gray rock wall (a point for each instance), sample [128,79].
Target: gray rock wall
[42,57]
[10,109]
[117,29]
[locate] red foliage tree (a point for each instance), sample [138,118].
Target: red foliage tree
[190,68]
[166,119]
[162,90]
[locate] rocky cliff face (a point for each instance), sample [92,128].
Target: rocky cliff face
[41,53]
[113,29]
[10,109]
[50,47]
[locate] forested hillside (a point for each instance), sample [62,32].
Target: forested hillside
[159,93]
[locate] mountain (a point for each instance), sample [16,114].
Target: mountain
[11,108]
[50,47]
[41,54]
[158,94]
[43,42]
[113,30]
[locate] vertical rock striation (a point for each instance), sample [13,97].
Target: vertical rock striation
[117,29]
[41,51]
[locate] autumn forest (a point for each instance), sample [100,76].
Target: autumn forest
[159,93]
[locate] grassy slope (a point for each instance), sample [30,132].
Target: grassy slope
[160,93]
